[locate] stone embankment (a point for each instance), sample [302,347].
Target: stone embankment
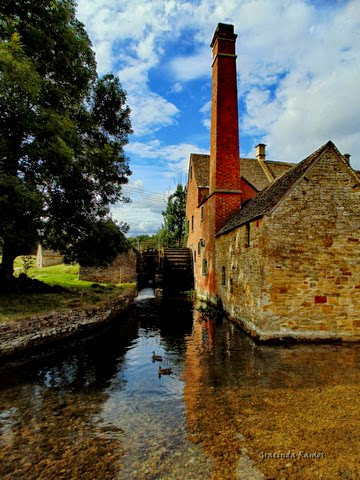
[27,333]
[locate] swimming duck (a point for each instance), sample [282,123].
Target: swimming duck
[156,358]
[164,371]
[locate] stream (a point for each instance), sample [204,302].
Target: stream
[230,409]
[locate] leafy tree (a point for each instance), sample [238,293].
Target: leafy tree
[173,230]
[143,242]
[90,251]
[62,133]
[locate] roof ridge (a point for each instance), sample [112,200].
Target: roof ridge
[271,195]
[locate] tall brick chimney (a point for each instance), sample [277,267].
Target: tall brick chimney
[225,183]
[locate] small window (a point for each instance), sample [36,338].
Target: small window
[202,213]
[223,276]
[199,248]
[247,235]
[231,285]
[192,223]
[204,267]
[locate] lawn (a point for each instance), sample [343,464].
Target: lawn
[77,293]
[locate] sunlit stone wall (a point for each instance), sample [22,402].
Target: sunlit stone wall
[300,275]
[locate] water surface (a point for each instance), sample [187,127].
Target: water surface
[99,410]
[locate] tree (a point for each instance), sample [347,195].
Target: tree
[174,217]
[90,251]
[62,133]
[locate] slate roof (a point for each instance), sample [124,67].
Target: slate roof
[249,167]
[267,199]
[201,169]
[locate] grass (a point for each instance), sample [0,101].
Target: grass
[63,275]
[78,293]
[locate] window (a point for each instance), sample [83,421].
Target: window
[199,247]
[192,223]
[202,213]
[204,267]
[223,276]
[231,285]
[247,235]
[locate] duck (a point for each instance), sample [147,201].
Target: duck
[164,371]
[156,358]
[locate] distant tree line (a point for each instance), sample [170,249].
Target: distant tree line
[172,231]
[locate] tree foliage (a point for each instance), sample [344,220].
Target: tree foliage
[173,231]
[91,252]
[62,133]
[145,242]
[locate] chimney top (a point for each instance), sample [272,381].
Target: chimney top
[224,31]
[347,157]
[260,151]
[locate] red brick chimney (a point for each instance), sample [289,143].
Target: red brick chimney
[225,183]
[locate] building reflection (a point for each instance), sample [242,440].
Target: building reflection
[302,398]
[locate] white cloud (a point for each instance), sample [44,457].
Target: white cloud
[177,88]
[206,112]
[317,100]
[144,213]
[142,220]
[150,112]
[298,70]
[175,157]
[192,67]
[131,34]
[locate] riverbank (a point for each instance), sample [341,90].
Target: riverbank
[28,333]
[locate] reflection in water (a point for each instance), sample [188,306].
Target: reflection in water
[100,411]
[246,402]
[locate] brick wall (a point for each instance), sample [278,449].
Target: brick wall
[200,231]
[300,276]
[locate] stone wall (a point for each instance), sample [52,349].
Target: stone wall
[47,258]
[300,276]
[27,333]
[122,270]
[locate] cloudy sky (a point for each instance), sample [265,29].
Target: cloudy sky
[298,82]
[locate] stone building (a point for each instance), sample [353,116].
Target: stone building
[279,243]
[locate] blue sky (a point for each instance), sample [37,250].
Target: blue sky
[298,82]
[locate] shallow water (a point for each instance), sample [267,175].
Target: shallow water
[99,410]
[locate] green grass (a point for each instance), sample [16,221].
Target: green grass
[64,275]
[78,293]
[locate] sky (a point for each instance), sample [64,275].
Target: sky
[298,69]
